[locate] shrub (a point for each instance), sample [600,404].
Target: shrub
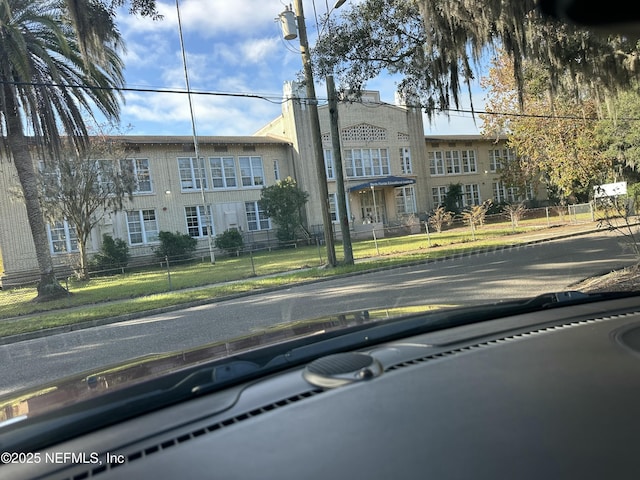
[439,218]
[230,241]
[514,212]
[114,253]
[175,245]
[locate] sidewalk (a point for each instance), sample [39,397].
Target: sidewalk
[544,235]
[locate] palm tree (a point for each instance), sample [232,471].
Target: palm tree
[50,83]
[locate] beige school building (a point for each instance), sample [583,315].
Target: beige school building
[391,171]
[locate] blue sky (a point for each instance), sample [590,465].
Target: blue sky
[232,47]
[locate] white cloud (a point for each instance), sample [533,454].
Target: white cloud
[158,113]
[210,17]
[259,50]
[231,47]
[264,51]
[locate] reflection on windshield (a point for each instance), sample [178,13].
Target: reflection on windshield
[132,252]
[88,385]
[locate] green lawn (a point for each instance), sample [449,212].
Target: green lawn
[104,297]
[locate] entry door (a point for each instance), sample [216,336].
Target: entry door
[373,211]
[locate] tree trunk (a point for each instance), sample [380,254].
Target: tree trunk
[48,287]
[83,269]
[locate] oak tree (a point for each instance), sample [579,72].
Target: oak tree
[437,47]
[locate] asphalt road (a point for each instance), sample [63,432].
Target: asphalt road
[515,273]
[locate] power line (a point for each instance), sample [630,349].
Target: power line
[267,97]
[278,100]
[486,112]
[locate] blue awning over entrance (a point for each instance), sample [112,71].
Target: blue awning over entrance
[390,181]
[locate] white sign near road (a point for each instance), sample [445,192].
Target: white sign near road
[610,190]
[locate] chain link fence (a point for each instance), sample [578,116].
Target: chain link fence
[154,276]
[259,257]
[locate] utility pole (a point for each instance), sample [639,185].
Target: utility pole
[316,137]
[337,160]
[196,149]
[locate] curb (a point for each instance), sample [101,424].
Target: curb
[156,311]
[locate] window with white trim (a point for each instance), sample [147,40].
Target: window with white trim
[198,220]
[498,158]
[256,217]
[333,207]
[251,171]
[106,173]
[469,163]
[405,160]
[328,163]
[436,163]
[406,200]
[142,227]
[141,172]
[192,174]
[471,195]
[62,237]
[439,194]
[367,162]
[452,160]
[502,193]
[223,172]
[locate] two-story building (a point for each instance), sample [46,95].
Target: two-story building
[391,170]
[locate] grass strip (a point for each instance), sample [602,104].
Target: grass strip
[108,297]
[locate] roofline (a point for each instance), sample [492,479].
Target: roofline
[476,137]
[183,139]
[202,140]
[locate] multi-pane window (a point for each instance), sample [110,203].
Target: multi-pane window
[198,220]
[192,173]
[333,207]
[223,172]
[106,173]
[367,162]
[471,194]
[436,163]
[51,177]
[405,160]
[439,194]
[328,163]
[498,158]
[62,237]
[251,171]
[502,193]
[469,163]
[139,169]
[142,226]
[405,200]
[355,167]
[452,160]
[256,217]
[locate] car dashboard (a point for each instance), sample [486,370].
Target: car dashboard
[548,394]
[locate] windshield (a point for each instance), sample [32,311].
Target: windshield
[244,175]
